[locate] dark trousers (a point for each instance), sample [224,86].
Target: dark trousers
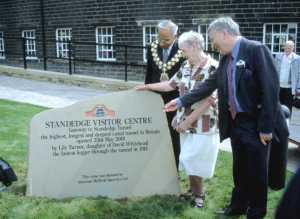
[175,137]
[286,97]
[289,205]
[250,167]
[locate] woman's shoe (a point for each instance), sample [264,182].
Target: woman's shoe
[199,201]
[188,195]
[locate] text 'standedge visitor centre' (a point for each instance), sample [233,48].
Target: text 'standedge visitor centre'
[107,38]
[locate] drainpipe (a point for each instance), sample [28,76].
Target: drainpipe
[43,34]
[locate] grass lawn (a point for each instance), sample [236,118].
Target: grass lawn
[14,120]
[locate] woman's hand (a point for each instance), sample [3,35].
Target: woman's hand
[184,125]
[174,122]
[142,87]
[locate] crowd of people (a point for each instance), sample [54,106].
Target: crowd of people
[238,97]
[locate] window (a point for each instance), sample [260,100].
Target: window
[149,35]
[30,44]
[2,51]
[63,36]
[104,40]
[202,28]
[275,35]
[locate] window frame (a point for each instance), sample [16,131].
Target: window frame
[62,41]
[2,46]
[205,36]
[102,47]
[290,25]
[30,43]
[152,38]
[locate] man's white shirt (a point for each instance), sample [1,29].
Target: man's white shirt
[285,77]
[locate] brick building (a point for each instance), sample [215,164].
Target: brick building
[47,25]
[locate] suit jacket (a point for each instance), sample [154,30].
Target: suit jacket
[257,91]
[294,71]
[153,72]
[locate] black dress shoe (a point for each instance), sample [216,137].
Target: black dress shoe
[230,211]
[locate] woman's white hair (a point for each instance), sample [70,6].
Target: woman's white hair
[191,38]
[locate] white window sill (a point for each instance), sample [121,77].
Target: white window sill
[109,60]
[31,58]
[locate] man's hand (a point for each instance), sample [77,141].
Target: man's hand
[171,106]
[141,87]
[265,138]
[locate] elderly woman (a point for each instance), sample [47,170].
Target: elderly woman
[197,125]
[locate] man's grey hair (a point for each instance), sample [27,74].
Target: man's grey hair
[168,25]
[226,24]
[191,38]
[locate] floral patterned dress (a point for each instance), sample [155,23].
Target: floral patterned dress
[199,144]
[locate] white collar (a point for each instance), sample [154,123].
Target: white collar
[170,47]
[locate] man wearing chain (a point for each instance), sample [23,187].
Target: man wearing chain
[163,61]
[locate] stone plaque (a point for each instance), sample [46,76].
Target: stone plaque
[116,145]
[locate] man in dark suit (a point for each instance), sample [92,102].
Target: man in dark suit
[289,205]
[249,112]
[163,61]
